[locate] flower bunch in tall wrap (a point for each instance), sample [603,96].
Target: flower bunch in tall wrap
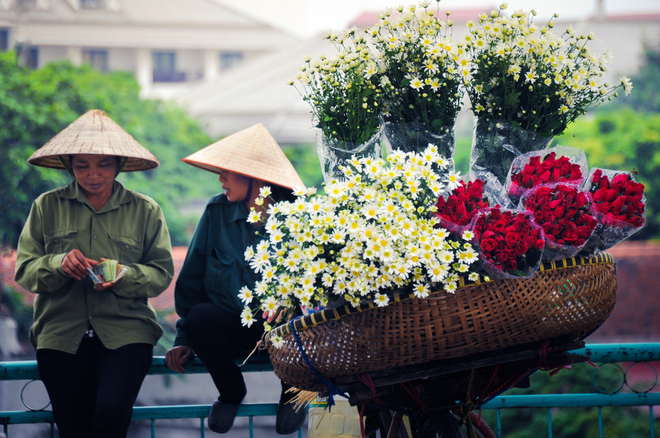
[456,212]
[565,214]
[371,233]
[526,75]
[342,90]
[618,199]
[417,66]
[542,169]
[619,207]
[510,242]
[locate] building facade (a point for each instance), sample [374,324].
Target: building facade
[165,43]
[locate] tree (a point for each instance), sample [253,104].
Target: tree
[36,105]
[572,422]
[645,96]
[624,140]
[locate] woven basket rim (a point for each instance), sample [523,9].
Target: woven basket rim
[334,314]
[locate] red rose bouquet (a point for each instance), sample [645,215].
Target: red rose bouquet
[549,166]
[456,212]
[565,214]
[509,243]
[620,207]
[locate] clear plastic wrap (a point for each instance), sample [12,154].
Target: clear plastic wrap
[619,208]
[333,154]
[509,242]
[496,143]
[455,210]
[559,164]
[416,136]
[566,215]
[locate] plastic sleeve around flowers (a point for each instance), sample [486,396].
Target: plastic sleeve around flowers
[557,239]
[516,255]
[333,154]
[495,144]
[575,157]
[417,136]
[609,230]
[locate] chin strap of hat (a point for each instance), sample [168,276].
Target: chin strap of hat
[66,165]
[248,197]
[121,166]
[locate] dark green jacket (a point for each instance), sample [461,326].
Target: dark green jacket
[129,228]
[215,268]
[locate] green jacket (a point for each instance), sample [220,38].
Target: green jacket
[129,228]
[215,268]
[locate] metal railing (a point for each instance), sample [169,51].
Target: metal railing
[597,353]
[27,370]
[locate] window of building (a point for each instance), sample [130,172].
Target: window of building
[165,68]
[228,59]
[32,59]
[92,4]
[98,59]
[4,39]
[26,4]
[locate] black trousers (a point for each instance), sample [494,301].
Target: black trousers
[217,337]
[92,392]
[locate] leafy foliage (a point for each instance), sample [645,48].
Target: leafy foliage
[572,422]
[624,140]
[531,77]
[419,68]
[36,105]
[646,95]
[342,91]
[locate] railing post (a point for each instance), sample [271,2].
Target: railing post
[549,424]
[652,420]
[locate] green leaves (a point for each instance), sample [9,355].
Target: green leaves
[36,105]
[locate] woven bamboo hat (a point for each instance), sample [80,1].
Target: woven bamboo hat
[94,133]
[251,152]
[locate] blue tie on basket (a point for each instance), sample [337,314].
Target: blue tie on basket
[333,389]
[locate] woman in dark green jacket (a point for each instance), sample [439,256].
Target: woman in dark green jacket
[206,293]
[94,341]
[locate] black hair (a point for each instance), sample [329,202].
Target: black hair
[67,161]
[280,193]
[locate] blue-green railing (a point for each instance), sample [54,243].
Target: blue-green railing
[27,370]
[597,353]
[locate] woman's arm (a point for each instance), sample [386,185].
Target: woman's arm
[151,276]
[189,290]
[37,271]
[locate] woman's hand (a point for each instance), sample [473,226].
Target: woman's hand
[177,356]
[111,284]
[283,315]
[75,264]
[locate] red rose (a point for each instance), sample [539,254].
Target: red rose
[462,204]
[560,210]
[504,237]
[618,199]
[488,245]
[548,170]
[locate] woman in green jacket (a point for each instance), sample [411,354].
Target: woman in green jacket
[206,293]
[94,341]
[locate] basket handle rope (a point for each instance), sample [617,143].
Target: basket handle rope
[333,389]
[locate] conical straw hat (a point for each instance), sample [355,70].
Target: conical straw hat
[94,133]
[251,152]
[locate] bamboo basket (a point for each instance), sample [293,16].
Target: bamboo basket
[568,299]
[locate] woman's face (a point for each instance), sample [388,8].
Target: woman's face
[94,173]
[236,186]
